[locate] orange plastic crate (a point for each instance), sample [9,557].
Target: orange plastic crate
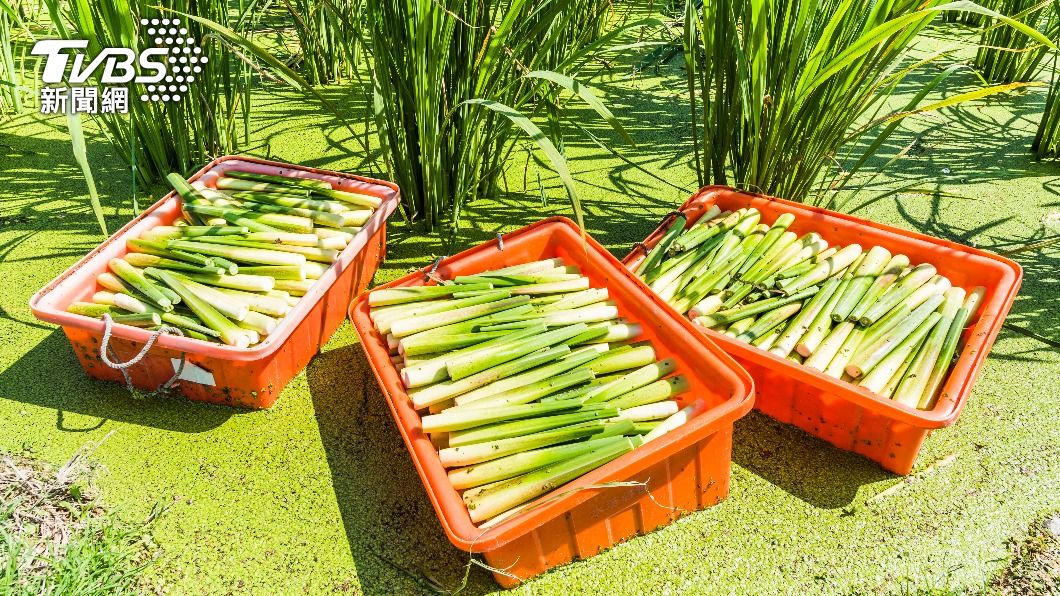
[247,378]
[685,470]
[850,417]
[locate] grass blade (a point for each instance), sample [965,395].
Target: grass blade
[559,163]
[587,96]
[77,142]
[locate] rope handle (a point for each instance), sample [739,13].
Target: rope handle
[110,358]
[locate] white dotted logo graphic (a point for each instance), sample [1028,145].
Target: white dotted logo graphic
[183,62]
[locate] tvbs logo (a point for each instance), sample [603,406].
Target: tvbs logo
[163,70]
[117,63]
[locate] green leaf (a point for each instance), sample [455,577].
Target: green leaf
[9,9]
[559,163]
[77,142]
[282,70]
[963,97]
[868,42]
[587,96]
[892,125]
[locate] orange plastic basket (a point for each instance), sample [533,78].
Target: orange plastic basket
[850,417]
[248,378]
[685,470]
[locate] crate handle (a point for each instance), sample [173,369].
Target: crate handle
[104,348]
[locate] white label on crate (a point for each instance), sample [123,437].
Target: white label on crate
[195,374]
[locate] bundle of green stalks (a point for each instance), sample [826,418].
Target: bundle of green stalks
[1006,55]
[864,316]
[529,377]
[236,262]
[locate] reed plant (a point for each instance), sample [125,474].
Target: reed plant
[213,115]
[10,71]
[970,19]
[778,89]
[1006,54]
[1047,138]
[328,38]
[456,82]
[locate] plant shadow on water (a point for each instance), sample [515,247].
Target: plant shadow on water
[966,146]
[346,109]
[1036,307]
[396,542]
[958,146]
[37,170]
[49,376]
[806,467]
[37,180]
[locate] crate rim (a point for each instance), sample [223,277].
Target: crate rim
[482,540]
[274,341]
[939,416]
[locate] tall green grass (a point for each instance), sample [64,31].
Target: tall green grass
[780,89]
[455,82]
[10,71]
[970,19]
[1006,54]
[329,42]
[213,116]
